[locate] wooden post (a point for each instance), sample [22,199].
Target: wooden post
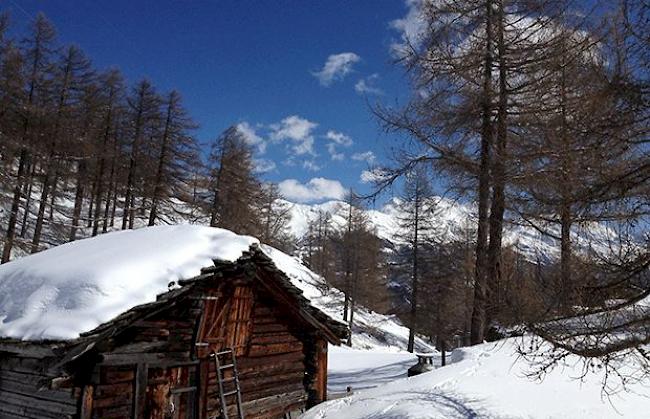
[315,350]
[204,377]
[321,377]
[87,402]
[140,395]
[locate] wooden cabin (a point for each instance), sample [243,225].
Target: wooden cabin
[156,360]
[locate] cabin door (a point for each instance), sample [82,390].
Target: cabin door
[172,392]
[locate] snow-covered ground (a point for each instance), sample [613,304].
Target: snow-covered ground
[484,381]
[363,369]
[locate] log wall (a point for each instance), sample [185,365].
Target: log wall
[146,362]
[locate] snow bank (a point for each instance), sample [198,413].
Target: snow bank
[489,381]
[75,287]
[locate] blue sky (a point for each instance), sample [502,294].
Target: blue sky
[261,64]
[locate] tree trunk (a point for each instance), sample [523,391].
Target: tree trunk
[53,193]
[109,197]
[91,204]
[15,204]
[498,181]
[568,296]
[414,285]
[45,192]
[78,199]
[158,183]
[477,329]
[348,263]
[28,200]
[99,196]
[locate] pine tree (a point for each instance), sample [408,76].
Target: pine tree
[144,110]
[37,52]
[234,186]
[417,209]
[175,156]
[71,74]
[275,214]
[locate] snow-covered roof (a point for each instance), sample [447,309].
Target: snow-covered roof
[73,288]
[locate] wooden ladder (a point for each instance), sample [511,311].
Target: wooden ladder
[225,366]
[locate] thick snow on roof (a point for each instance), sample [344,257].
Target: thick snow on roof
[75,287]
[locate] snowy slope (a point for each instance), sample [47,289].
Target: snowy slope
[72,288]
[371,330]
[363,369]
[488,381]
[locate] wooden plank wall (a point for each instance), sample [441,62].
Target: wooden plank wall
[272,361]
[271,369]
[25,392]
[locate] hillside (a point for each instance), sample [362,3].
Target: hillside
[451,219]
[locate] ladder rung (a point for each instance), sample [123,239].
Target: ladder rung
[223,353]
[229,380]
[230,393]
[223,367]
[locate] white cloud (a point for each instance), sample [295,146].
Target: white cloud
[317,189]
[367,86]
[334,154]
[298,130]
[263,165]
[339,138]
[411,28]
[371,176]
[367,156]
[251,137]
[311,165]
[336,67]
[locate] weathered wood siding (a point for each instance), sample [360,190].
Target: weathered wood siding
[147,362]
[271,365]
[25,392]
